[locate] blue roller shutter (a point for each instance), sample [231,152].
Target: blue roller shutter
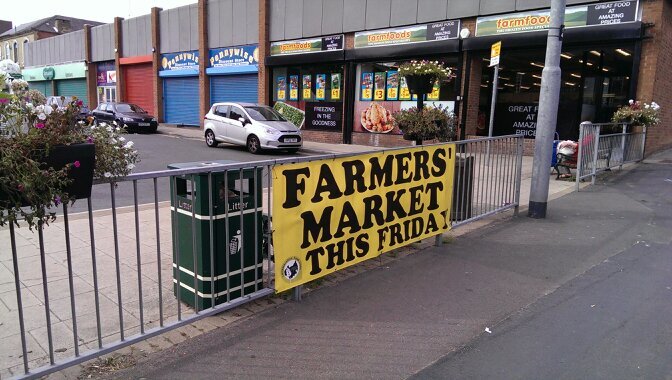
[233,88]
[72,87]
[180,100]
[42,86]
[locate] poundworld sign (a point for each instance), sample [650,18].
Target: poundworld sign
[616,12]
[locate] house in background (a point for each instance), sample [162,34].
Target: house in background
[12,40]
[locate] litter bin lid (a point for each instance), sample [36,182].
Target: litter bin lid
[200,164]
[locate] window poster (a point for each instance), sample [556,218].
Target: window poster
[335,86]
[293,87]
[320,86]
[392,85]
[307,87]
[379,86]
[404,93]
[367,86]
[282,88]
[434,95]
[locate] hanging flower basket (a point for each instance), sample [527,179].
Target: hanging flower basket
[420,84]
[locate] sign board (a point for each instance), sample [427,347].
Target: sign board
[577,16]
[516,119]
[324,115]
[65,71]
[234,56]
[495,51]
[339,212]
[311,45]
[180,61]
[445,30]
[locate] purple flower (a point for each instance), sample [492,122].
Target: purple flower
[4,100]
[79,103]
[57,200]
[39,125]
[20,187]
[76,164]
[89,139]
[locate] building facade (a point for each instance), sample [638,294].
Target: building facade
[337,60]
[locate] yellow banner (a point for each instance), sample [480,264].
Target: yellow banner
[331,214]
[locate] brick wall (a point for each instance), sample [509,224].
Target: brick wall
[323,137]
[264,48]
[379,139]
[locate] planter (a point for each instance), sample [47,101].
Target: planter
[420,84]
[82,177]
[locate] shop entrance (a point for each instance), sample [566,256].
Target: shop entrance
[595,82]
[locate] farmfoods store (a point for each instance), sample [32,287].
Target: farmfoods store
[607,59]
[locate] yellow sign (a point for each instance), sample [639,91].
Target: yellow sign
[293,93]
[495,51]
[379,94]
[392,93]
[281,94]
[319,94]
[335,93]
[436,91]
[306,93]
[334,213]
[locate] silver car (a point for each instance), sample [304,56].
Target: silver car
[252,125]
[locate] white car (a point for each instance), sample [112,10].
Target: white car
[252,125]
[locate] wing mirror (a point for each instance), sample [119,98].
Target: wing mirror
[243,120]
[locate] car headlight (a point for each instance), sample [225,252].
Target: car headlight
[127,119]
[272,131]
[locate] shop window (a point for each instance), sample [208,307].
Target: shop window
[595,82]
[380,92]
[314,93]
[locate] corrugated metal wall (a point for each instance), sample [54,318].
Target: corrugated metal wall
[59,49]
[102,43]
[136,34]
[291,19]
[179,29]
[233,22]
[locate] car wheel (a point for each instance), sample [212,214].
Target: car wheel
[210,139]
[292,150]
[153,129]
[253,144]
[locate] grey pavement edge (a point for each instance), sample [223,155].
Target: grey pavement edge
[395,321]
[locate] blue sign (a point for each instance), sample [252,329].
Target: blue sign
[233,60]
[180,61]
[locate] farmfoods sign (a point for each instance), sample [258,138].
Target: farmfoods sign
[444,30]
[311,45]
[583,15]
[339,212]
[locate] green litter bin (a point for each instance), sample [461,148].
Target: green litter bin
[235,246]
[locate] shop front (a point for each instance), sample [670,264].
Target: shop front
[65,80]
[380,91]
[179,72]
[106,82]
[233,74]
[599,64]
[138,74]
[307,85]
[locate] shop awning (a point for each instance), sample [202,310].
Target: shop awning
[404,50]
[305,58]
[573,36]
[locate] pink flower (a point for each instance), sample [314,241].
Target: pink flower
[20,187]
[79,103]
[57,200]
[39,125]
[77,164]
[89,139]
[4,100]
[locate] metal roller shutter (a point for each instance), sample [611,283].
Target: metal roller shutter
[72,87]
[139,79]
[42,86]
[180,100]
[234,88]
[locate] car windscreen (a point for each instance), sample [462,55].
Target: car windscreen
[124,108]
[264,114]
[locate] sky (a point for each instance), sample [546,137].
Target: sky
[96,10]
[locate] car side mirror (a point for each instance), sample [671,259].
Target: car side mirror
[243,120]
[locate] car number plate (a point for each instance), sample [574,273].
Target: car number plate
[291,140]
[143,124]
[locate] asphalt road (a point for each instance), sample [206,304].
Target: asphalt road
[157,151]
[613,322]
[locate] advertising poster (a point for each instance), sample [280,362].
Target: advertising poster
[366,92]
[516,119]
[404,92]
[326,222]
[282,88]
[335,86]
[379,86]
[307,87]
[293,87]
[378,116]
[392,85]
[324,116]
[311,45]
[436,90]
[320,86]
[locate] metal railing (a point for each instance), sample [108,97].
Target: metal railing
[98,278]
[604,146]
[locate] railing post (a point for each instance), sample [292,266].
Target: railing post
[519,173]
[624,130]
[595,153]
[643,140]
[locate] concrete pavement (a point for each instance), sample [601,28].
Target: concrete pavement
[404,315]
